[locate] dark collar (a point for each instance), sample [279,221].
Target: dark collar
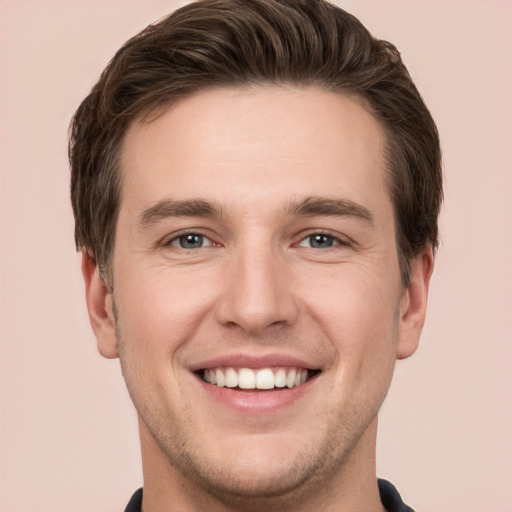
[389,496]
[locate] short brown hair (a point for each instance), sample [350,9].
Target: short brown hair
[236,43]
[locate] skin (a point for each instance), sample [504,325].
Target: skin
[258,287]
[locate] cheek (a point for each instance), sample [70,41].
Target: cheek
[159,310]
[358,315]
[356,308]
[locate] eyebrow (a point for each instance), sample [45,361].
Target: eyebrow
[309,207]
[313,206]
[178,208]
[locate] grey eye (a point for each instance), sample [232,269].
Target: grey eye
[320,241]
[191,241]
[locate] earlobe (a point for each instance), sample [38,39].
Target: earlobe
[100,307]
[413,305]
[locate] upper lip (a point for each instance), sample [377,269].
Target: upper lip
[253,361]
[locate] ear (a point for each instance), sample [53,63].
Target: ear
[413,305]
[99,305]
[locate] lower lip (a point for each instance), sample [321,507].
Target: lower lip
[257,401]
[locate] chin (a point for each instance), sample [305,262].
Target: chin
[257,467]
[251,479]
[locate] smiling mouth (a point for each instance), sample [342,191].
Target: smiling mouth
[244,379]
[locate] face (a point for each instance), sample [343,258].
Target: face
[259,307]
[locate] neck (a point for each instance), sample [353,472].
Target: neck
[350,487]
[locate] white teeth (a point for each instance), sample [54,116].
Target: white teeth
[290,378]
[246,379]
[220,378]
[264,378]
[231,378]
[280,378]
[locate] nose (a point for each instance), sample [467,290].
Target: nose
[257,294]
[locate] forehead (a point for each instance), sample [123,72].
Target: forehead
[253,143]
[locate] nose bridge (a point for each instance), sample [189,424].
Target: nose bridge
[257,294]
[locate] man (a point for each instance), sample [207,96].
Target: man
[256,186]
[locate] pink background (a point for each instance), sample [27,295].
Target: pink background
[68,432]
